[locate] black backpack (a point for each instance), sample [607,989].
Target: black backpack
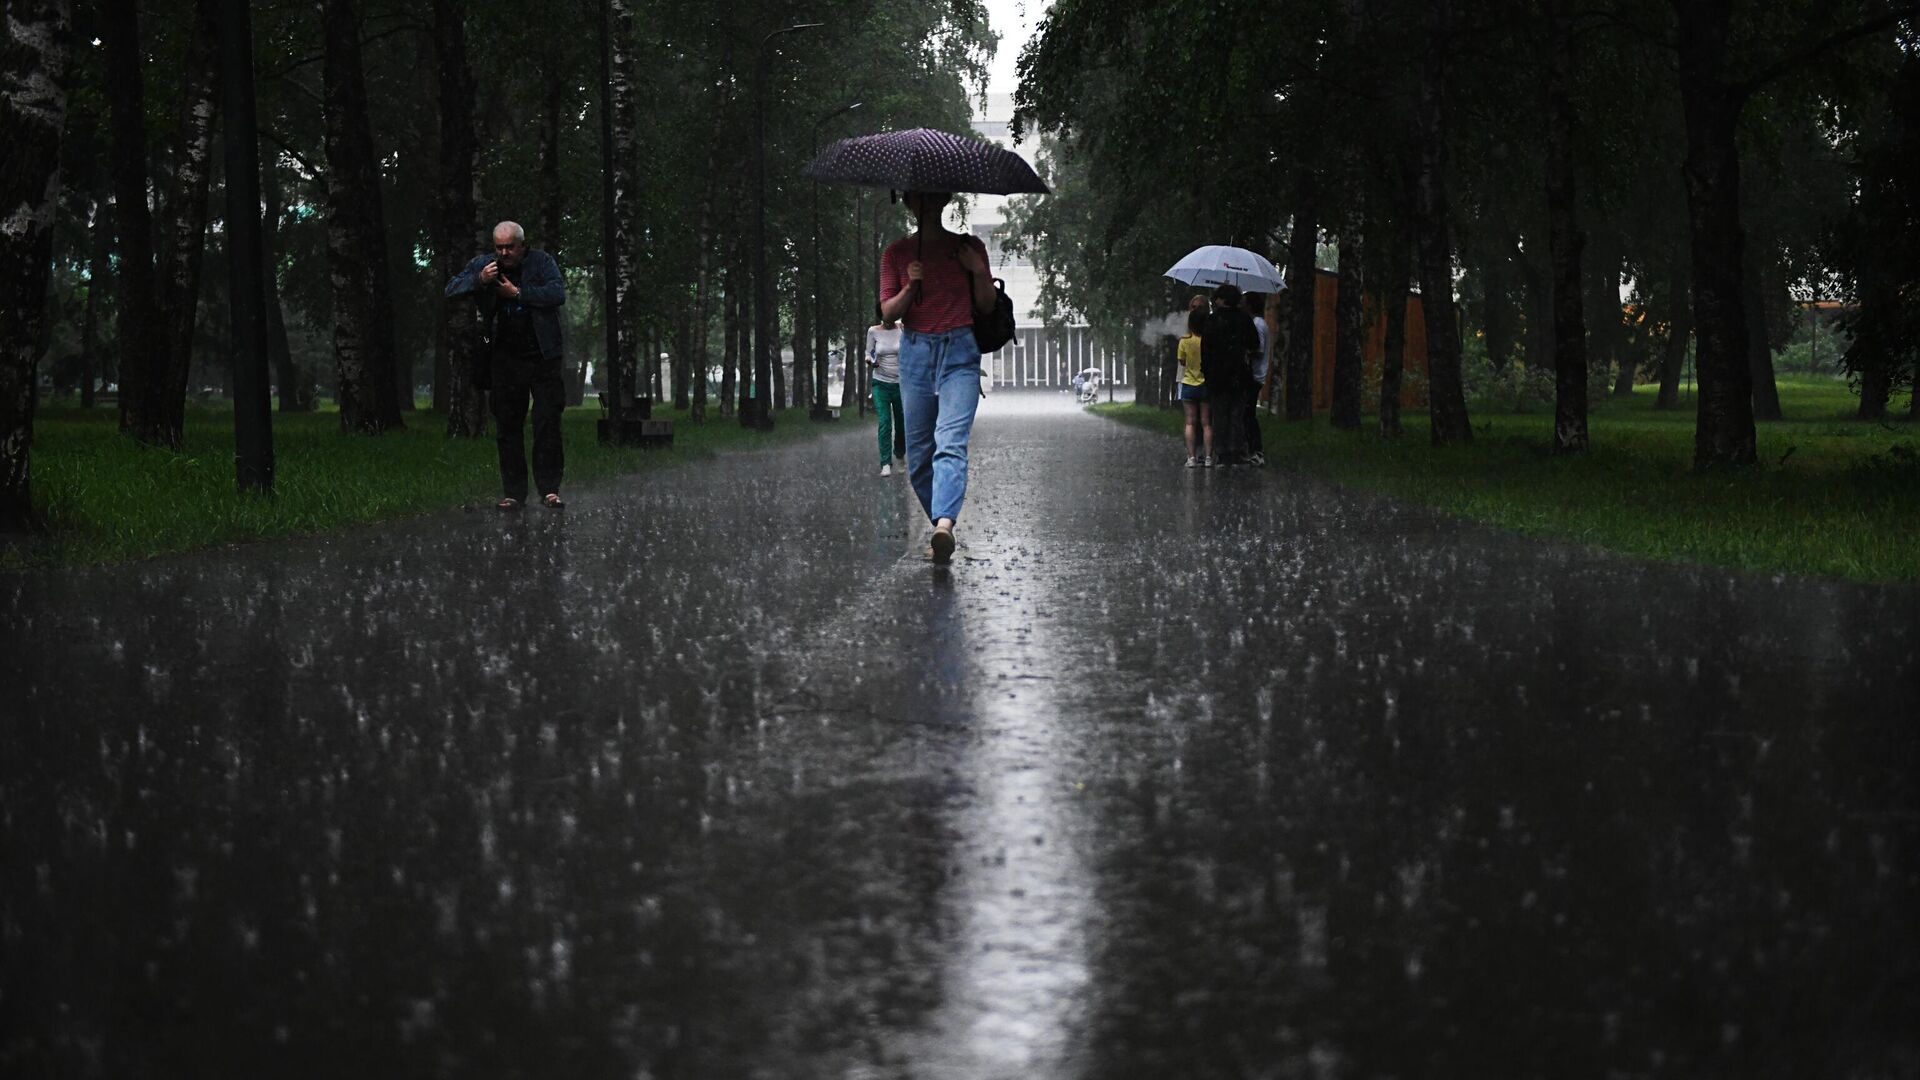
[994,328]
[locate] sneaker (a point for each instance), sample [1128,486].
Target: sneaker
[1206,463]
[886,470]
[942,545]
[1256,459]
[1193,463]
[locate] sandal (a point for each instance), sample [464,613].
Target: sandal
[551,500]
[508,504]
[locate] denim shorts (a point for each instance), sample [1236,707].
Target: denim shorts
[1193,393]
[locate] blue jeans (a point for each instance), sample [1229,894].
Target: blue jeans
[939,391]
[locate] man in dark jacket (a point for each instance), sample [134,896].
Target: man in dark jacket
[1225,349]
[519,292]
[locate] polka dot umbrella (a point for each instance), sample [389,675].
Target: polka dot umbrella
[925,160]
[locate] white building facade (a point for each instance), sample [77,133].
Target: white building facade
[1038,356]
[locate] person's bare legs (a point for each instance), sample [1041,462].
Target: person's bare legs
[1193,409]
[1206,425]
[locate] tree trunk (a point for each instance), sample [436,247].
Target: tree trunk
[33,112]
[1876,386]
[1537,350]
[1301,278]
[624,309]
[772,350]
[1349,327]
[1496,283]
[356,241]
[1766,392]
[1446,396]
[552,118]
[184,240]
[457,228]
[1394,350]
[99,270]
[682,378]
[729,338]
[1606,332]
[1565,244]
[142,347]
[1724,431]
[582,354]
[705,241]
[802,382]
[1674,358]
[296,386]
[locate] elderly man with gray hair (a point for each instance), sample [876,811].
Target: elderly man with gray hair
[519,292]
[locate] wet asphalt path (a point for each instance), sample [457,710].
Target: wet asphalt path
[1174,774]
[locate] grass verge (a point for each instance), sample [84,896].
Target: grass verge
[1832,496]
[105,499]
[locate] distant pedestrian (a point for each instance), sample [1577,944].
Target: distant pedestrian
[1193,390]
[1256,306]
[933,281]
[519,292]
[1226,351]
[883,358]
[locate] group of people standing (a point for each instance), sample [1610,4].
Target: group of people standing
[1223,364]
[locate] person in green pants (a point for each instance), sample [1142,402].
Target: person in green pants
[883,357]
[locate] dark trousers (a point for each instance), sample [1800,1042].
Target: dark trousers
[1254,445]
[1229,419]
[548,395]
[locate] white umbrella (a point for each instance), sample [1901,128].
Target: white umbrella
[1218,264]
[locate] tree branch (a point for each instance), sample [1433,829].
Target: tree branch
[1743,90]
[397,28]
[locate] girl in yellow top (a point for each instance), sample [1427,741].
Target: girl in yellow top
[1193,389]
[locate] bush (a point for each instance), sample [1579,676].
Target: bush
[1522,388]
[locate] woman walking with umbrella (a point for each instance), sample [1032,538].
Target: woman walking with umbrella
[932,281]
[935,283]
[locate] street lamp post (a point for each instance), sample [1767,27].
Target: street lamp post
[819,358]
[762,411]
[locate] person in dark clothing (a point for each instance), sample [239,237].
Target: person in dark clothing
[1225,350]
[1256,308]
[519,292]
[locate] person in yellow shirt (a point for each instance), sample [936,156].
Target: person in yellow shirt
[1193,390]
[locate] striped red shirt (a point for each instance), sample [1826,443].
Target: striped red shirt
[946,302]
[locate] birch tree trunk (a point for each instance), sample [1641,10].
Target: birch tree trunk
[183,246]
[99,272]
[356,245]
[33,113]
[457,232]
[624,169]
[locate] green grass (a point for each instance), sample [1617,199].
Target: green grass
[105,499]
[1832,496]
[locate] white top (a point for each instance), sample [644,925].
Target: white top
[1260,361]
[883,352]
